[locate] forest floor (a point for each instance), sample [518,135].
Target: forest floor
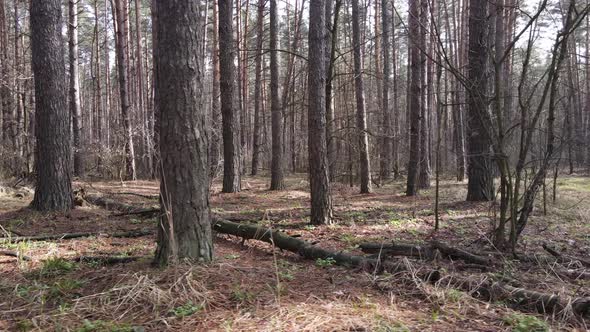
[252,287]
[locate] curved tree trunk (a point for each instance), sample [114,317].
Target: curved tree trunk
[229,111]
[53,154]
[185,229]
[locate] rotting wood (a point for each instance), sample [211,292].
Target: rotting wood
[112,205]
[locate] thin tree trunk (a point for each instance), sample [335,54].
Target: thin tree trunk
[258,87]
[75,107]
[386,151]
[229,111]
[277,181]
[215,149]
[123,70]
[361,114]
[415,100]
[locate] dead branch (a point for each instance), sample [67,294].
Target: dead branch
[16,254]
[68,236]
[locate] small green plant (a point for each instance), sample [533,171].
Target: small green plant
[25,325]
[102,326]
[241,296]
[185,310]
[325,262]
[526,323]
[62,288]
[56,266]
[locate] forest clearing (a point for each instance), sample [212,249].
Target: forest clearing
[70,284]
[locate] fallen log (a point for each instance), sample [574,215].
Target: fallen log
[563,258]
[11,253]
[545,303]
[107,260]
[393,249]
[68,236]
[460,254]
[113,205]
[424,251]
[309,251]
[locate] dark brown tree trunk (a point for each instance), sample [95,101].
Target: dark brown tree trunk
[386,150]
[277,181]
[184,231]
[75,107]
[321,201]
[123,70]
[53,154]
[426,96]
[361,114]
[229,111]
[415,99]
[481,185]
[5,91]
[215,150]
[258,87]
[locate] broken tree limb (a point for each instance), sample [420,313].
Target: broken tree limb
[113,205]
[107,260]
[393,249]
[563,258]
[68,236]
[11,253]
[424,251]
[460,254]
[310,251]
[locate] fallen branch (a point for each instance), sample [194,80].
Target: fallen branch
[424,251]
[308,250]
[107,260]
[113,205]
[16,254]
[68,236]
[564,259]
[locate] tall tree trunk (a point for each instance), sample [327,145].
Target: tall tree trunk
[386,150]
[229,111]
[98,83]
[415,99]
[332,27]
[123,67]
[5,90]
[215,149]
[481,185]
[426,96]
[321,201]
[75,107]
[107,78]
[361,114]
[277,181]
[258,87]
[53,155]
[184,230]
[142,110]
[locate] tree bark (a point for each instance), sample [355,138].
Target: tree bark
[258,87]
[415,100]
[123,70]
[215,150]
[53,154]
[321,201]
[481,182]
[277,181]
[75,107]
[184,230]
[361,114]
[229,111]
[386,151]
